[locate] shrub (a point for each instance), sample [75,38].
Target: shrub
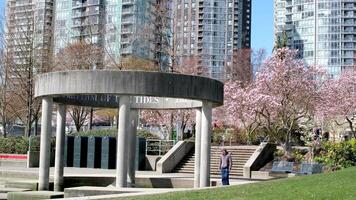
[278,154]
[145,134]
[298,155]
[110,133]
[337,155]
[96,133]
[221,135]
[13,145]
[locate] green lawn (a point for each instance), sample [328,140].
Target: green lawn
[340,185]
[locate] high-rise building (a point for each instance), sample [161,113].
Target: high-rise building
[116,26]
[324,31]
[211,30]
[29,33]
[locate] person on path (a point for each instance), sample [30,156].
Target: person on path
[225,166]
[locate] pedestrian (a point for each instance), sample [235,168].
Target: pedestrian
[225,166]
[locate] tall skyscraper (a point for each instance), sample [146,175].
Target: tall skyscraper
[324,31]
[211,30]
[29,33]
[116,26]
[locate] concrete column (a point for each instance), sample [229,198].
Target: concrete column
[122,141]
[60,134]
[132,146]
[197,148]
[205,145]
[45,145]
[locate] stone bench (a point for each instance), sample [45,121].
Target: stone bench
[310,168]
[32,195]
[282,167]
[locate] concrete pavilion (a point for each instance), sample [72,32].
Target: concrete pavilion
[128,91]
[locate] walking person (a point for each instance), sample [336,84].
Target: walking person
[225,166]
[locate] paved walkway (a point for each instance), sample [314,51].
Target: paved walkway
[88,172]
[20,173]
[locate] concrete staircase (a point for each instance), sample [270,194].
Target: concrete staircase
[8,185]
[240,155]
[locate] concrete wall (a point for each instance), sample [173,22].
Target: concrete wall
[130,83]
[262,155]
[167,183]
[172,158]
[151,162]
[33,159]
[12,163]
[76,181]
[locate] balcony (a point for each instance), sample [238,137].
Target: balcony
[128,2]
[127,11]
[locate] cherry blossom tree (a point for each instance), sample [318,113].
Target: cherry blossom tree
[240,107]
[286,90]
[282,97]
[166,119]
[338,100]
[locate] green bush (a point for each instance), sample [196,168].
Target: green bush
[337,155]
[13,145]
[224,135]
[217,136]
[146,134]
[298,155]
[20,145]
[110,133]
[96,133]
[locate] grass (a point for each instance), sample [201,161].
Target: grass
[340,185]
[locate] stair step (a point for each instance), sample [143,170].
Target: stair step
[236,166]
[214,173]
[22,184]
[8,189]
[3,196]
[239,157]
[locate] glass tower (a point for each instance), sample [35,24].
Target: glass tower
[113,25]
[29,33]
[324,31]
[212,30]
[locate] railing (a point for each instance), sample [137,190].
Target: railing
[158,147]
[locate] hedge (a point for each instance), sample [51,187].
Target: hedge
[20,145]
[13,145]
[110,133]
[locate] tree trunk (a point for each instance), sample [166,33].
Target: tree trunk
[77,127]
[4,125]
[117,120]
[35,130]
[353,132]
[182,128]
[91,118]
[28,122]
[249,140]
[170,137]
[287,145]
[29,101]
[28,129]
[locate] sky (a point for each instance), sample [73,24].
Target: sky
[262,25]
[2,5]
[2,13]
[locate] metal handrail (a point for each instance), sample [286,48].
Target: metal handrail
[158,147]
